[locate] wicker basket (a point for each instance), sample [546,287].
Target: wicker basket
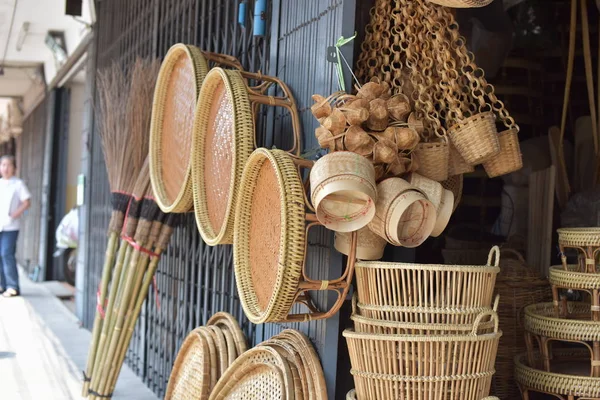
[462,3]
[476,138]
[509,158]
[420,323]
[190,376]
[457,164]
[518,286]
[433,159]
[459,367]
[424,285]
[181,75]
[270,243]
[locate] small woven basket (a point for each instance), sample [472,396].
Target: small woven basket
[433,159]
[427,285]
[457,164]
[461,3]
[509,158]
[476,138]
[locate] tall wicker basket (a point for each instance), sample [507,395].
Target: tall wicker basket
[518,286]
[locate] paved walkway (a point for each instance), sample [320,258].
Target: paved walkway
[43,350]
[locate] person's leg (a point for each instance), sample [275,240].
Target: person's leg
[2,275]
[8,248]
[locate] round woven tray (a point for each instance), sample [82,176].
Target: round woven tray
[223,141]
[579,237]
[555,382]
[427,285]
[542,319]
[231,328]
[190,377]
[177,88]
[573,279]
[259,373]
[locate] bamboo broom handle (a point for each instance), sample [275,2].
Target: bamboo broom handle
[124,255]
[120,317]
[109,259]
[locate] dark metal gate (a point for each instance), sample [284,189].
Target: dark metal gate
[194,280]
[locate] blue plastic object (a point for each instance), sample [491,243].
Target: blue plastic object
[242,13]
[260,17]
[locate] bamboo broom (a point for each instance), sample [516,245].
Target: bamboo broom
[125,124]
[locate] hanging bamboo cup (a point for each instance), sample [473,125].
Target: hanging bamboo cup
[476,137]
[343,191]
[433,159]
[180,78]
[224,139]
[270,243]
[509,158]
[369,247]
[404,216]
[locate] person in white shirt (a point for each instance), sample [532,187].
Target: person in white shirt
[14,200]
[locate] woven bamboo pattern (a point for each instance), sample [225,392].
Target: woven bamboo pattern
[259,373]
[427,285]
[403,366]
[572,279]
[177,88]
[455,185]
[190,377]
[433,160]
[549,382]
[579,237]
[369,246]
[223,141]
[423,324]
[542,319]
[457,164]
[227,323]
[509,158]
[476,138]
[462,3]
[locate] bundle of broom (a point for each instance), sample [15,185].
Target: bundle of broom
[124,117]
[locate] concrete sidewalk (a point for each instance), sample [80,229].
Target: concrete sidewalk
[43,350]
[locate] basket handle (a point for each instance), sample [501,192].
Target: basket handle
[496,303]
[355,304]
[492,314]
[515,253]
[495,251]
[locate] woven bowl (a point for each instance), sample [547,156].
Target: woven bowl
[178,85]
[343,191]
[476,138]
[223,141]
[404,216]
[444,212]
[370,246]
[190,377]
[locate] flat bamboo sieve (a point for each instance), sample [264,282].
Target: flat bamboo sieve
[271,227]
[190,377]
[177,88]
[224,138]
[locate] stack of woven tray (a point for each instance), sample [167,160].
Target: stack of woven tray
[424,331]
[549,366]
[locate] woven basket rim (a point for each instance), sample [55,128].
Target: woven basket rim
[573,278]
[482,337]
[550,326]
[242,142]
[283,287]
[200,67]
[227,320]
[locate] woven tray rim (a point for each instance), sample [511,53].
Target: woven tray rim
[578,236]
[572,278]
[187,343]
[547,326]
[183,201]
[242,146]
[232,324]
[292,242]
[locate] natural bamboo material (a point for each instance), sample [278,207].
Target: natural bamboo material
[587,243]
[270,245]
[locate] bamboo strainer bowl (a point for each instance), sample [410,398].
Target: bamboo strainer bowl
[369,246]
[177,88]
[270,245]
[442,200]
[390,367]
[420,324]
[476,138]
[461,3]
[509,158]
[403,216]
[444,212]
[190,377]
[343,191]
[224,139]
[427,285]
[259,373]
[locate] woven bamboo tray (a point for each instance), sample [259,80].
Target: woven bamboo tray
[224,139]
[424,285]
[392,327]
[543,319]
[571,278]
[557,383]
[404,366]
[190,377]
[579,237]
[270,245]
[177,88]
[228,324]
[259,373]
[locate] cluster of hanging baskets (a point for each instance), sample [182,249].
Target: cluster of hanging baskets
[424,331]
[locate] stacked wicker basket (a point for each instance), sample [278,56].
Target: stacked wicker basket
[424,331]
[555,368]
